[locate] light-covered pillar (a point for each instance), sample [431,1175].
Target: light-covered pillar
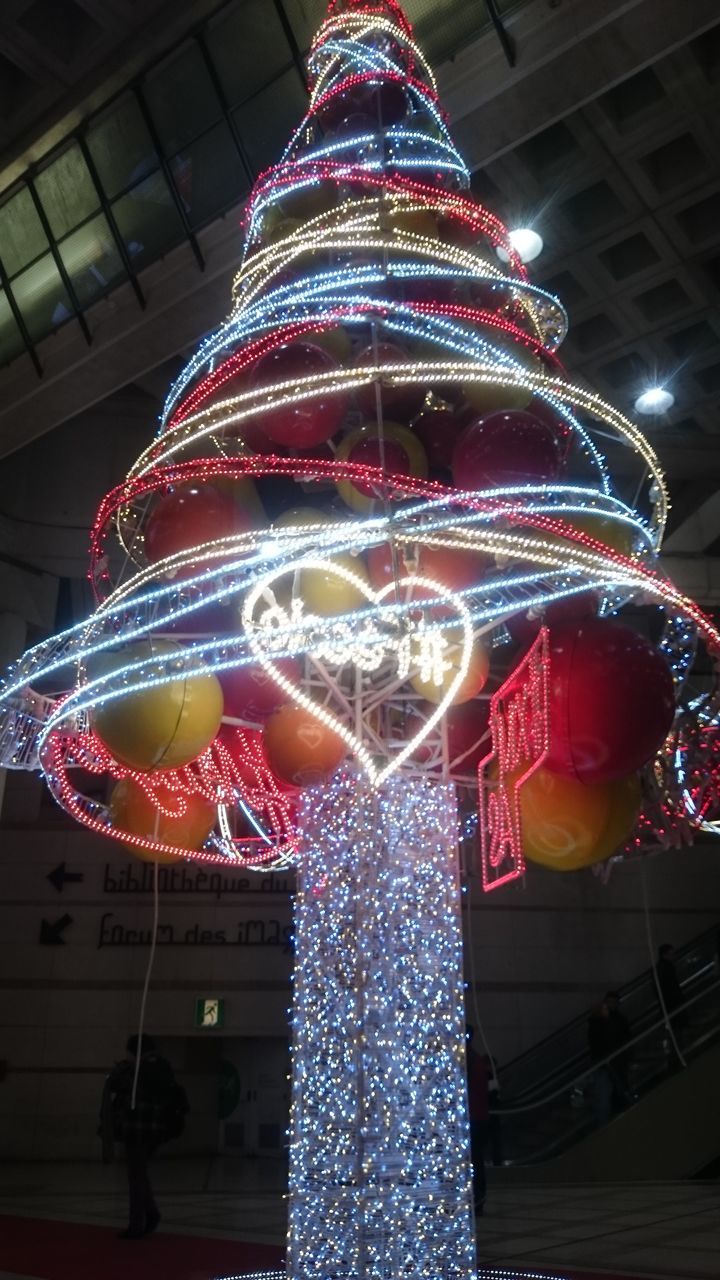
[380,1182]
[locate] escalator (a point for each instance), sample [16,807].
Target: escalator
[668,1125]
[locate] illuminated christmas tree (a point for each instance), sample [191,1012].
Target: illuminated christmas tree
[371,558]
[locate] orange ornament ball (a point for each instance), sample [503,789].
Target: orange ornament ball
[567,824]
[163,726]
[477,668]
[300,749]
[187,825]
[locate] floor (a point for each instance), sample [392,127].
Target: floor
[665,1230]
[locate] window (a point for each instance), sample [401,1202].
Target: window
[91,259]
[22,238]
[66,191]
[209,175]
[248,48]
[148,221]
[40,294]
[266,122]
[121,147]
[181,98]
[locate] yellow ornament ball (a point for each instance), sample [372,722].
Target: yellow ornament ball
[245,495]
[322,591]
[567,824]
[487,397]
[336,341]
[187,825]
[163,726]
[401,450]
[478,667]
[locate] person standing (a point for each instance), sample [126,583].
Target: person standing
[672,998]
[618,1034]
[599,1045]
[669,985]
[143,1126]
[479,1109]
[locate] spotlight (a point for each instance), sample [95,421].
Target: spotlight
[654,400]
[526,243]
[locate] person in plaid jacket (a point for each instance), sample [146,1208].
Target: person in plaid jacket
[143,1126]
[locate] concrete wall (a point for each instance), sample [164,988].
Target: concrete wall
[547,948]
[540,954]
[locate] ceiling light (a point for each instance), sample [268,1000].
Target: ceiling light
[526,243]
[654,400]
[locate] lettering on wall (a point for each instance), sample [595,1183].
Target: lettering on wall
[243,933]
[136,877]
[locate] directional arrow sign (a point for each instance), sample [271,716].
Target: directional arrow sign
[60,877]
[50,933]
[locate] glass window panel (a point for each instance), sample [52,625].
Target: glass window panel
[11,343]
[41,297]
[121,147]
[268,120]
[248,47]
[182,99]
[91,259]
[209,175]
[66,191]
[148,221]
[21,235]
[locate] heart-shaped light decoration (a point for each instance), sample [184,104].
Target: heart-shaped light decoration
[358,639]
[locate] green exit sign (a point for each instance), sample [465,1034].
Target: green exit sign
[209,1011]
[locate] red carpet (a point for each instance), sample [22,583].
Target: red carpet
[71,1251]
[74,1251]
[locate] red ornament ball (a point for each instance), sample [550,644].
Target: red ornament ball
[612,700]
[438,430]
[467,727]
[188,516]
[370,452]
[524,627]
[506,449]
[250,693]
[308,422]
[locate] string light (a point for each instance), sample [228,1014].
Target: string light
[379,1171]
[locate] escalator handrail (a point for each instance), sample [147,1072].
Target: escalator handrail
[625,992]
[531,1089]
[603,1062]
[561,1140]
